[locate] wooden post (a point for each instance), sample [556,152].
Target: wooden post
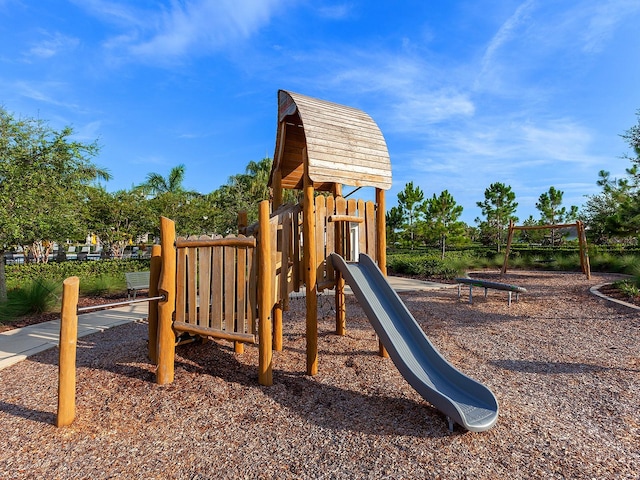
[310,265]
[265,303]
[67,361]
[381,246]
[506,253]
[166,308]
[340,241]
[154,279]
[584,253]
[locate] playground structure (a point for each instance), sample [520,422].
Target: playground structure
[236,288]
[582,242]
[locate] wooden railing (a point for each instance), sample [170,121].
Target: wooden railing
[216,287]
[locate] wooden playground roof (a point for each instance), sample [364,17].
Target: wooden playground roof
[344,145]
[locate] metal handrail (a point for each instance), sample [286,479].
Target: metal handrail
[118,304]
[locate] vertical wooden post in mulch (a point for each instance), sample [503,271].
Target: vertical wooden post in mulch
[166,307]
[67,360]
[310,266]
[154,279]
[265,299]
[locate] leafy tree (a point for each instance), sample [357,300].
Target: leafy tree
[118,218]
[498,208]
[44,177]
[531,236]
[393,220]
[442,214]
[551,210]
[410,201]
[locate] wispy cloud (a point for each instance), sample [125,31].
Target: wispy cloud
[51,45]
[192,27]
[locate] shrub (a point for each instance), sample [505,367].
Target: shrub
[37,296]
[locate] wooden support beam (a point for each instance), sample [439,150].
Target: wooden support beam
[265,297]
[310,267]
[166,307]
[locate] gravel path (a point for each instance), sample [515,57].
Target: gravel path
[564,365]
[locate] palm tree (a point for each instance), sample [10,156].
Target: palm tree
[157,185]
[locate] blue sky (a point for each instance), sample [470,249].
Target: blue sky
[467,93]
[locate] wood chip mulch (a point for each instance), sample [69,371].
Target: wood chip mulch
[563,363]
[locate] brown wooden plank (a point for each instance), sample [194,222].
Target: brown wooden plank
[252,296]
[320,220]
[192,285]
[362,228]
[204,284]
[370,215]
[229,287]
[205,241]
[241,290]
[181,285]
[352,211]
[217,287]
[285,277]
[330,233]
[214,333]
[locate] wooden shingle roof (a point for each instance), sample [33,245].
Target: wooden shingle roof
[344,145]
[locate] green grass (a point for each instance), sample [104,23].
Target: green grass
[38,296]
[102,285]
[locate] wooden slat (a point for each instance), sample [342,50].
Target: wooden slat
[241,291]
[330,238]
[252,299]
[181,285]
[229,241]
[370,215]
[204,284]
[192,290]
[229,288]
[352,205]
[285,277]
[275,232]
[345,218]
[214,333]
[362,228]
[217,287]
[321,215]
[341,210]
[298,274]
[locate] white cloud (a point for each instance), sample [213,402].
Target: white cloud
[190,27]
[52,45]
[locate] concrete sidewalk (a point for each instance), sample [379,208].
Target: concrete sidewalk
[18,344]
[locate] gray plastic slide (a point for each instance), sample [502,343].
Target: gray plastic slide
[463,400]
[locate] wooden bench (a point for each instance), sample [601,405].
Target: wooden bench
[136,281]
[486,284]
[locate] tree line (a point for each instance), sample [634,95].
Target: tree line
[611,216]
[51,191]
